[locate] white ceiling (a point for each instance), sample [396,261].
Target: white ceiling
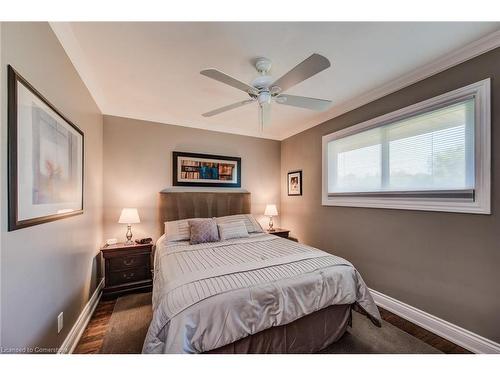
[151,70]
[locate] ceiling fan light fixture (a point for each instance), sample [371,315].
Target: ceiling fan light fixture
[264,97]
[275,90]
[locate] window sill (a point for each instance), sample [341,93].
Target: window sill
[411,204]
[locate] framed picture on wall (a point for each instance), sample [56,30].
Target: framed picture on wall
[295,183]
[45,158]
[190,169]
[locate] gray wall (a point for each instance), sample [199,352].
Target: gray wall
[49,268]
[138,165]
[446,264]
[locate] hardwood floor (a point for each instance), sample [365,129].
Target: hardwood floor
[93,336]
[422,334]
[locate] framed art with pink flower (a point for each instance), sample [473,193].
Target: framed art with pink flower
[45,153]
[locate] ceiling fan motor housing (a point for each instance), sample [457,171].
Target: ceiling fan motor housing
[262,82]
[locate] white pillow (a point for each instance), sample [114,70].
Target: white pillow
[178,230]
[235,229]
[251,224]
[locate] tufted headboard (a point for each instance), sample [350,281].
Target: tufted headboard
[177,205]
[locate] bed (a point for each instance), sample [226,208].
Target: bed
[258,294]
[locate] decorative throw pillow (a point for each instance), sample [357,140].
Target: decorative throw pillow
[203,231]
[236,229]
[252,225]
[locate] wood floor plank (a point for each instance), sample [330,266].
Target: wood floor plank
[422,334]
[93,336]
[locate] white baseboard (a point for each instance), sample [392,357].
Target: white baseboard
[69,344]
[460,336]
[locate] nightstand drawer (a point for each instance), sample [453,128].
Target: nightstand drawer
[128,276]
[129,261]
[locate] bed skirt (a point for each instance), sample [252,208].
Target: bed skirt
[309,334]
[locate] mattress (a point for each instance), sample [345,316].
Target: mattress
[210,295]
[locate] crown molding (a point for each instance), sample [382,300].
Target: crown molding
[474,49]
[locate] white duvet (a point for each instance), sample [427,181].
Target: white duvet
[209,295]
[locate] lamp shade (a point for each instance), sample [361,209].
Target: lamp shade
[271,210]
[129,216]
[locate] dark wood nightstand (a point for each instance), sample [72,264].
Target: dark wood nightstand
[127,269]
[280,232]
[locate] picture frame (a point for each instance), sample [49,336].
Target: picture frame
[205,170]
[294,183]
[45,158]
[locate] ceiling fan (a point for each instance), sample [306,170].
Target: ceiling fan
[264,90]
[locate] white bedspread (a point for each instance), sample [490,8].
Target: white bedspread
[209,295]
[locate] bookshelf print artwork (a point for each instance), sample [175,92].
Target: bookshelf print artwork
[191,169]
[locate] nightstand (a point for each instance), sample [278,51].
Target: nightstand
[280,232]
[127,269]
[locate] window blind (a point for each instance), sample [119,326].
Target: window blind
[428,154]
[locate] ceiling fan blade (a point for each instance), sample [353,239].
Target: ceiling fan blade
[264,115]
[306,69]
[304,102]
[227,108]
[228,80]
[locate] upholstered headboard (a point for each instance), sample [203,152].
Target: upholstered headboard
[177,205]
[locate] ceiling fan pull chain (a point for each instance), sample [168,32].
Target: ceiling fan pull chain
[261,112]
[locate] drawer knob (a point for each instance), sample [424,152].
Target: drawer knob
[128,262]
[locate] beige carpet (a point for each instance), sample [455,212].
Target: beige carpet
[364,338]
[128,325]
[132,313]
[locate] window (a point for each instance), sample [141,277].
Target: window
[434,155]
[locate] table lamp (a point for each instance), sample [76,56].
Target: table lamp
[129,216]
[271,211]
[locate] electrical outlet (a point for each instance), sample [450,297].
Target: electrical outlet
[60,322]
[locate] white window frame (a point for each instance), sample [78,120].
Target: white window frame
[482,156]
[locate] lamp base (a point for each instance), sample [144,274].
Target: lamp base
[129,235]
[271,224]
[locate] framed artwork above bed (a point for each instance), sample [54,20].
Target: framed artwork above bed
[203,170]
[45,158]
